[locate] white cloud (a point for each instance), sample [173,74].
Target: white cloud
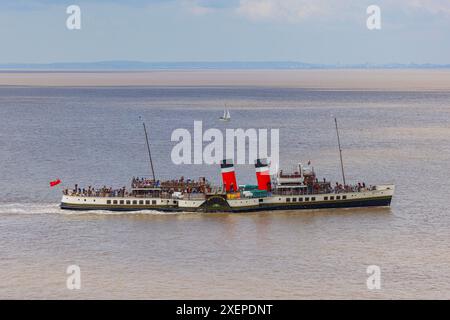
[196,7]
[432,6]
[291,10]
[199,10]
[299,10]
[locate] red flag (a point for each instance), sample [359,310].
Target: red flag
[55,183]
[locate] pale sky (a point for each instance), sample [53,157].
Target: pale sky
[319,31]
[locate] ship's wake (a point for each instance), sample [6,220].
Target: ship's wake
[52,208]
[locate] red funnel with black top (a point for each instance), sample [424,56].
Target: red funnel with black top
[228,175]
[262,174]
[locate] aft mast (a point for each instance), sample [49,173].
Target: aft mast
[340,151]
[149,153]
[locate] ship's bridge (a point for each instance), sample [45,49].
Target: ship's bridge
[294,178]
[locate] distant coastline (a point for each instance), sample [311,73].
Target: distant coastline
[310,79]
[224,65]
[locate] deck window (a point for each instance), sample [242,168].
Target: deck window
[332,198]
[306,199]
[122,202]
[128,202]
[141,201]
[153,201]
[344,197]
[114,201]
[338,197]
[147,201]
[261,200]
[294,199]
[300,199]
[108,201]
[325,198]
[288,199]
[134,201]
[313,199]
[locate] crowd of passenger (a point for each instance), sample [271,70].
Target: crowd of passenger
[325,187]
[174,185]
[322,187]
[137,182]
[189,186]
[182,185]
[99,192]
[339,188]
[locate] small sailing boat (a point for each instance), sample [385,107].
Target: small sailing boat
[226,116]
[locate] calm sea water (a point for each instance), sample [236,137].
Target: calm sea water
[94,136]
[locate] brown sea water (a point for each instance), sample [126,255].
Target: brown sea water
[392,132]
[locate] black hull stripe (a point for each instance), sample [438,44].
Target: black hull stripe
[378,202]
[375,202]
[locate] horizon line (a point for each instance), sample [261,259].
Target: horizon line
[136,65]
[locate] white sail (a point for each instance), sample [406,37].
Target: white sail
[226,115]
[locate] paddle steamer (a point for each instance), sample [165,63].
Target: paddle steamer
[296,190]
[290,191]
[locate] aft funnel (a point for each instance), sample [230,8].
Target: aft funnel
[263,174]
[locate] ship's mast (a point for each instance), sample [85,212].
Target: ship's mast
[340,150]
[149,153]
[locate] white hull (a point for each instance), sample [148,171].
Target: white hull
[382,196]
